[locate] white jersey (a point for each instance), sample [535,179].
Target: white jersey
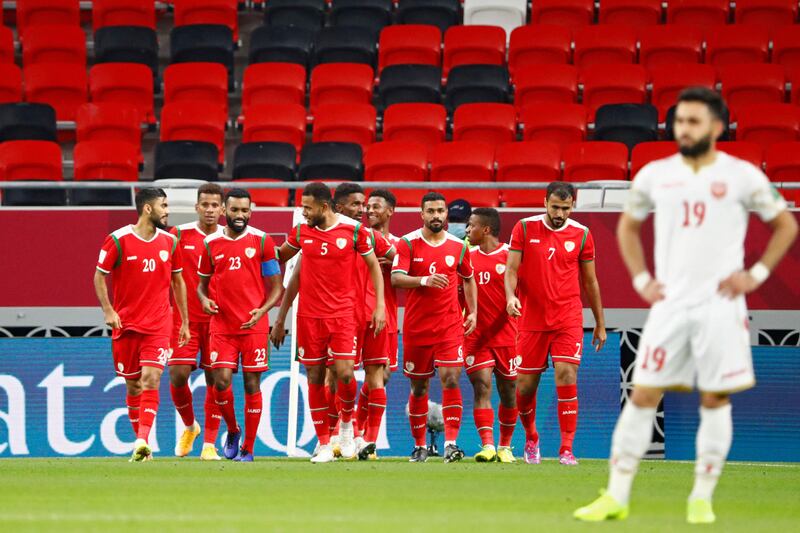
[700,220]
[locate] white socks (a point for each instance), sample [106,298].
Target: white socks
[632,437]
[713,443]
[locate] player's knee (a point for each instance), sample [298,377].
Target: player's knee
[179,375]
[134,387]
[222,382]
[712,400]
[646,397]
[419,388]
[507,393]
[483,390]
[450,381]
[566,374]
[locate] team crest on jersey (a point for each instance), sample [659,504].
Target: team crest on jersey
[164,255]
[470,360]
[341,242]
[410,366]
[500,268]
[449,260]
[718,189]
[569,246]
[249,252]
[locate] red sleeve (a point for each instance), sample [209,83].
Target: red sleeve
[518,237]
[177,256]
[402,261]
[267,249]
[465,264]
[362,240]
[382,245]
[293,239]
[587,248]
[109,255]
[206,266]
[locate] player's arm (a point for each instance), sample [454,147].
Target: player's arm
[376,276]
[404,281]
[471,299]
[510,280]
[278,332]
[592,289]
[179,292]
[110,316]
[629,240]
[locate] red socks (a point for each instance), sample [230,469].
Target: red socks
[347,397]
[133,403]
[567,415]
[182,398]
[527,415]
[377,405]
[252,416]
[212,415]
[484,422]
[418,417]
[362,412]
[333,410]
[318,405]
[148,408]
[508,420]
[224,399]
[451,411]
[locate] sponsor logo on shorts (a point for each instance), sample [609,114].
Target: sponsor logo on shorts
[500,268]
[410,366]
[249,252]
[569,246]
[164,255]
[470,360]
[120,367]
[214,356]
[449,260]
[341,242]
[718,189]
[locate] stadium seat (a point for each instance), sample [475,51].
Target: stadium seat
[410,44]
[604,44]
[51,43]
[35,12]
[196,82]
[282,44]
[223,12]
[63,86]
[794,81]
[10,83]
[508,14]
[786,47]
[545,83]
[573,14]
[767,124]
[465,161]
[394,161]
[474,45]
[32,161]
[644,153]
[123,13]
[341,83]
[440,13]
[620,84]
[285,123]
[629,124]
[127,44]
[752,84]
[350,123]
[748,151]
[194,121]
[341,44]
[556,123]
[331,160]
[467,84]
[373,15]
[669,81]
[669,121]
[489,123]
[186,160]
[104,161]
[410,83]
[737,44]
[769,14]
[701,13]
[129,83]
[27,121]
[661,46]
[539,45]
[273,83]
[109,121]
[783,164]
[265,162]
[306,14]
[422,123]
[212,43]
[597,160]
[527,161]
[634,13]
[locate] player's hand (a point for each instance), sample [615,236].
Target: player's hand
[378,320]
[277,334]
[514,307]
[599,338]
[737,284]
[112,320]
[255,316]
[470,323]
[653,292]
[184,335]
[210,307]
[385,262]
[438,281]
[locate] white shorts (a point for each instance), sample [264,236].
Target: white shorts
[707,346]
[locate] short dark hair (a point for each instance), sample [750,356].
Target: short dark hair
[148,196]
[319,192]
[432,196]
[209,188]
[344,190]
[709,97]
[489,217]
[387,195]
[236,193]
[561,189]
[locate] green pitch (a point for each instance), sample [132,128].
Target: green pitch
[389,495]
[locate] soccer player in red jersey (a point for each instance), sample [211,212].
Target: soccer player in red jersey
[492,347]
[146,262]
[428,263]
[550,257]
[326,325]
[234,263]
[184,358]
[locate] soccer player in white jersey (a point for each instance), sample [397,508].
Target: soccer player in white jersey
[697,330]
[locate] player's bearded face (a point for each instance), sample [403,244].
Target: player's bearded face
[693,149]
[159,213]
[434,215]
[237,214]
[695,129]
[558,210]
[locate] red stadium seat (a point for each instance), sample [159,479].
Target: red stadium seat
[341,83]
[273,83]
[123,13]
[423,123]
[752,84]
[10,83]
[597,160]
[770,14]
[129,83]
[6,45]
[352,123]
[222,12]
[767,124]
[30,160]
[276,123]
[669,45]
[62,85]
[539,45]
[786,47]
[636,13]
[106,160]
[570,13]
[465,161]
[405,44]
[617,84]
[474,45]
[669,81]
[527,161]
[644,153]
[197,82]
[702,13]
[490,123]
[194,121]
[604,44]
[36,12]
[109,121]
[535,84]
[556,123]
[398,161]
[51,43]
[737,44]
[748,151]
[783,164]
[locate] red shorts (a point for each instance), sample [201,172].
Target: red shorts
[419,361]
[200,342]
[504,360]
[563,346]
[133,350]
[321,339]
[378,350]
[253,348]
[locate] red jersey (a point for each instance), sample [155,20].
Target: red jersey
[234,266]
[495,328]
[142,272]
[389,293]
[328,287]
[432,315]
[190,241]
[549,273]
[382,247]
